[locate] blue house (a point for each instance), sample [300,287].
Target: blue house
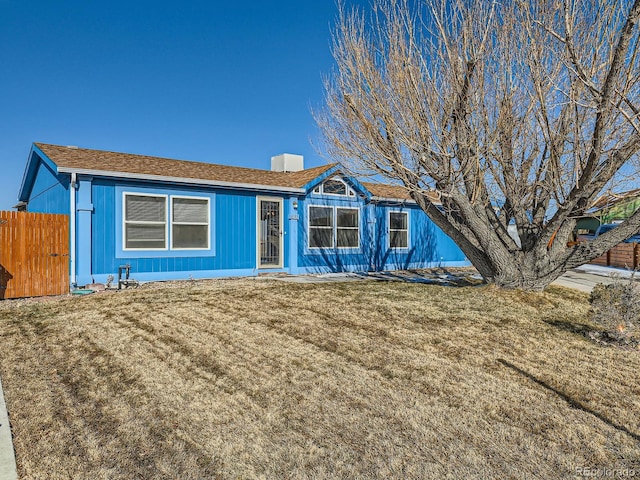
[174,219]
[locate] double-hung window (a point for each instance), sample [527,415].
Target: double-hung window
[398,229]
[334,227]
[347,231]
[189,223]
[145,222]
[320,227]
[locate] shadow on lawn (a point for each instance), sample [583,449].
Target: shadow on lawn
[433,276]
[572,327]
[571,401]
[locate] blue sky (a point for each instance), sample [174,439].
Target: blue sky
[221,82]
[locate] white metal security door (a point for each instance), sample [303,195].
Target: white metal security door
[270,232]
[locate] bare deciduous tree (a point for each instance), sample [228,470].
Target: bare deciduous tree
[517,113]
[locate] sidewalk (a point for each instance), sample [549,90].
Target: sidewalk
[585,277]
[7,457]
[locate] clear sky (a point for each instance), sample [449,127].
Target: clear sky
[227,82]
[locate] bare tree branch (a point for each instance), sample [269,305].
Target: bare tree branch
[519,113]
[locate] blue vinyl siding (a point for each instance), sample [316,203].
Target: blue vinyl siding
[233,232]
[50,191]
[428,245]
[233,224]
[318,260]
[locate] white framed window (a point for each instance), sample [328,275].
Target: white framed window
[165,222]
[335,186]
[331,227]
[398,229]
[145,222]
[320,227]
[347,227]
[189,223]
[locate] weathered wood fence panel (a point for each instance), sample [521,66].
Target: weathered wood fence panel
[623,255]
[34,254]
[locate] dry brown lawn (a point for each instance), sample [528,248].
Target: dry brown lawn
[266,379]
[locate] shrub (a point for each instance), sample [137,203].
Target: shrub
[616,307]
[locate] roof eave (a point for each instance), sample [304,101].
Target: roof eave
[192,181]
[395,200]
[35,156]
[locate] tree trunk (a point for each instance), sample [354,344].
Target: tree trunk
[521,278]
[519,270]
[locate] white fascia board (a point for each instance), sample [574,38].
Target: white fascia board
[394,200]
[399,200]
[192,181]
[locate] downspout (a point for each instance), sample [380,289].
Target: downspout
[72,228]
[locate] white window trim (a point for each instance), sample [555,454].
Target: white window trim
[389,229]
[208,224]
[349,192]
[124,222]
[357,227]
[334,227]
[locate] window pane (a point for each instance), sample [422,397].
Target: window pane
[347,217]
[190,236]
[320,217]
[190,210]
[347,238]
[144,236]
[398,220]
[398,239]
[335,187]
[321,237]
[145,209]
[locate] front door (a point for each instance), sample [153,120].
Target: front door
[269,232]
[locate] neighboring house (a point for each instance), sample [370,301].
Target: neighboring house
[608,208]
[173,219]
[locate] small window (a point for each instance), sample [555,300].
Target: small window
[398,229]
[347,231]
[334,187]
[189,223]
[145,222]
[320,227]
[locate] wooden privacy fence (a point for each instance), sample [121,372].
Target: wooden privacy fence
[623,255]
[34,254]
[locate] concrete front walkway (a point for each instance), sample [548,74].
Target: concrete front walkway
[7,457]
[583,278]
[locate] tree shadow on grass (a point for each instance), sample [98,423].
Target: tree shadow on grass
[571,401]
[432,276]
[572,327]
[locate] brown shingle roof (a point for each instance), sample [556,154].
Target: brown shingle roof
[382,190]
[72,158]
[610,199]
[84,159]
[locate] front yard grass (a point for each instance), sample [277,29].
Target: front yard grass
[267,379]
